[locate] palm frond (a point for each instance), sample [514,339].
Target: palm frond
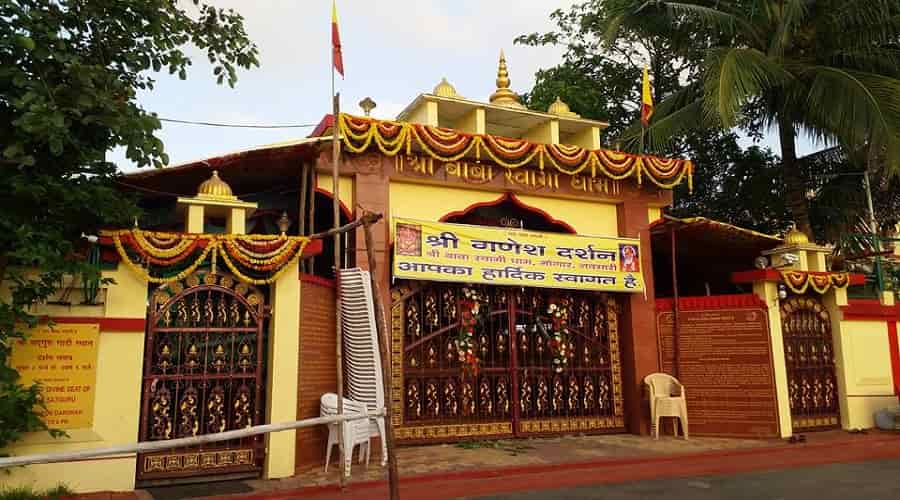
[677,113]
[878,60]
[852,15]
[882,32]
[793,14]
[716,18]
[733,77]
[867,110]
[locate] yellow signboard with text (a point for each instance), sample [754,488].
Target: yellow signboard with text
[63,359]
[436,251]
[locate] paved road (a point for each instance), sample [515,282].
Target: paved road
[876,480]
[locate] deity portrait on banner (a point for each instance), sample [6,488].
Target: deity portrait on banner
[629,259]
[409,239]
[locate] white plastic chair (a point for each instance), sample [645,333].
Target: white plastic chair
[662,389]
[356,432]
[364,378]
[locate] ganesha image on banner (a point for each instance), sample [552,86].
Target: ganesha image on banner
[629,259]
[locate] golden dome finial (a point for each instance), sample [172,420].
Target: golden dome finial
[795,237]
[503,96]
[560,108]
[502,72]
[216,188]
[445,89]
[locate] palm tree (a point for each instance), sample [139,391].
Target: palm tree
[826,68]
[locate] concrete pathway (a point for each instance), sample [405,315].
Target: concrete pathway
[560,466]
[562,479]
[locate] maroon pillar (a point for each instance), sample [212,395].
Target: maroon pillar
[371,188]
[637,339]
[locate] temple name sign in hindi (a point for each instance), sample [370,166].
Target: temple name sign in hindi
[501,256]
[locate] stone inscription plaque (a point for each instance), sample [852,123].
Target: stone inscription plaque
[725,365]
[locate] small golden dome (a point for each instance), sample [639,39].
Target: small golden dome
[444,89]
[214,187]
[560,108]
[795,237]
[503,96]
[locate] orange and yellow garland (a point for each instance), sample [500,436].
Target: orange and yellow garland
[155,256]
[798,281]
[442,144]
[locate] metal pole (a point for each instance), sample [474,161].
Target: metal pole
[384,350]
[873,227]
[336,212]
[149,446]
[675,350]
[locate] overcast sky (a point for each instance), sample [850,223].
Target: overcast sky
[393,51]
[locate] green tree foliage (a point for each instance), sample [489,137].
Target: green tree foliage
[70,71]
[601,80]
[827,68]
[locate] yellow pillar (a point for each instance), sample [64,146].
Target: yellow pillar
[545,133]
[194,221]
[833,301]
[473,122]
[589,138]
[237,221]
[284,351]
[768,291]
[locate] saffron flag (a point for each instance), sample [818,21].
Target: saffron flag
[337,59]
[646,100]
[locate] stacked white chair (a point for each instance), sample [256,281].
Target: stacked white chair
[356,432]
[365,383]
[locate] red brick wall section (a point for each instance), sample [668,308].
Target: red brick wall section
[316,373]
[637,332]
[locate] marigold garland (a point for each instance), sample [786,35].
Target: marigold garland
[448,145]
[471,314]
[558,341]
[799,281]
[152,254]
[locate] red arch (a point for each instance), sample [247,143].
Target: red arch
[344,209]
[508,196]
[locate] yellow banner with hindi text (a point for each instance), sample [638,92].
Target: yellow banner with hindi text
[436,251]
[63,359]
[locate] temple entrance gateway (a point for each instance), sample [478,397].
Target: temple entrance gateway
[526,381]
[809,355]
[204,369]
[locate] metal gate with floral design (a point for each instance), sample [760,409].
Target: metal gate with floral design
[809,355]
[530,382]
[204,364]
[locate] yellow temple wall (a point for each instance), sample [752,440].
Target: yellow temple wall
[866,370]
[345,184]
[863,364]
[430,202]
[116,398]
[119,365]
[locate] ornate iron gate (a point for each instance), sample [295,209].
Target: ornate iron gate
[516,389]
[809,355]
[204,364]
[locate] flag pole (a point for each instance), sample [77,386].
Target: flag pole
[336,211]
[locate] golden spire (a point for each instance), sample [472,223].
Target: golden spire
[215,188]
[560,108]
[503,96]
[795,237]
[445,89]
